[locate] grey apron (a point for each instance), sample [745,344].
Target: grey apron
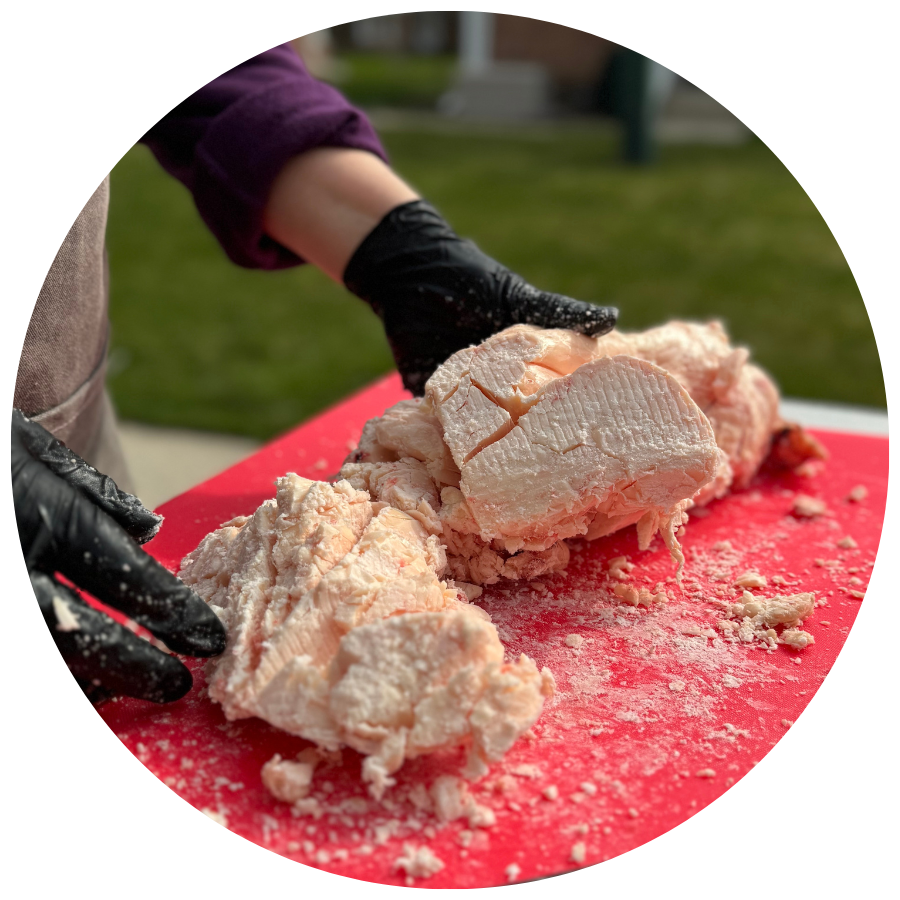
[62,370]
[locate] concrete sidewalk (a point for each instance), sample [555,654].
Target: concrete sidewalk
[166,462]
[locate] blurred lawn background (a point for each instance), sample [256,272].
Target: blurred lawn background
[708,232]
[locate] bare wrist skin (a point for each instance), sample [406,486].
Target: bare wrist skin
[326,201]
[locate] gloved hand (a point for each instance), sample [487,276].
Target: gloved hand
[75,521]
[436,293]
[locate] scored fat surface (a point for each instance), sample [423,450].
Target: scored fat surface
[616,439]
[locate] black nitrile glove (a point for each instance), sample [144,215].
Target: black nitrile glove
[75,521]
[436,293]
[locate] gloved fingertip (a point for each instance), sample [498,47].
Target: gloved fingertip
[96,693]
[599,320]
[142,524]
[199,632]
[175,681]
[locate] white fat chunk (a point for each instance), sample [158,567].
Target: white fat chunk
[341,631]
[535,441]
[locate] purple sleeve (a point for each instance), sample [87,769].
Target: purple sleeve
[228,142]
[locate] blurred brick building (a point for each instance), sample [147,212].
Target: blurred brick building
[575,61]
[515,67]
[572,62]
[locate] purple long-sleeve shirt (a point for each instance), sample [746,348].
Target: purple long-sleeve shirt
[229,140]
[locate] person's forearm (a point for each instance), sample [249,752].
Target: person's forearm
[326,201]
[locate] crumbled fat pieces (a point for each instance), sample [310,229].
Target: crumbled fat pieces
[418,862]
[341,631]
[759,617]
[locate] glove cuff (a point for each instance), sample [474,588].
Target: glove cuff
[413,244]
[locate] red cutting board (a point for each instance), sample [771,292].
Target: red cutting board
[653,720]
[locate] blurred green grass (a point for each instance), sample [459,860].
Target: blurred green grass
[393,79]
[709,232]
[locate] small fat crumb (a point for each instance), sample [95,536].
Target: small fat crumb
[627,593]
[452,801]
[574,640]
[578,852]
[320,464]
[217,816]
[857,595]
[750,580]
[504,784]
[551,792]
[786,723]
[512,872]
[527,770]
[287,780]
[706,773]
[588,787]
[797,639]
[308,806]
[420,798]
[66,620]
[548,683]
[470,591]
[418,862]
[806,507]
[677,686]
[858,494]
[730,681]
[620,568]
[722,546]
[633,596]
[481,816]
[847,543]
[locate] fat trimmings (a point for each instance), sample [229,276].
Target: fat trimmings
[532,437]
[343,627]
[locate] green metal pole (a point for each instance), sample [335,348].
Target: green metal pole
[639,145]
